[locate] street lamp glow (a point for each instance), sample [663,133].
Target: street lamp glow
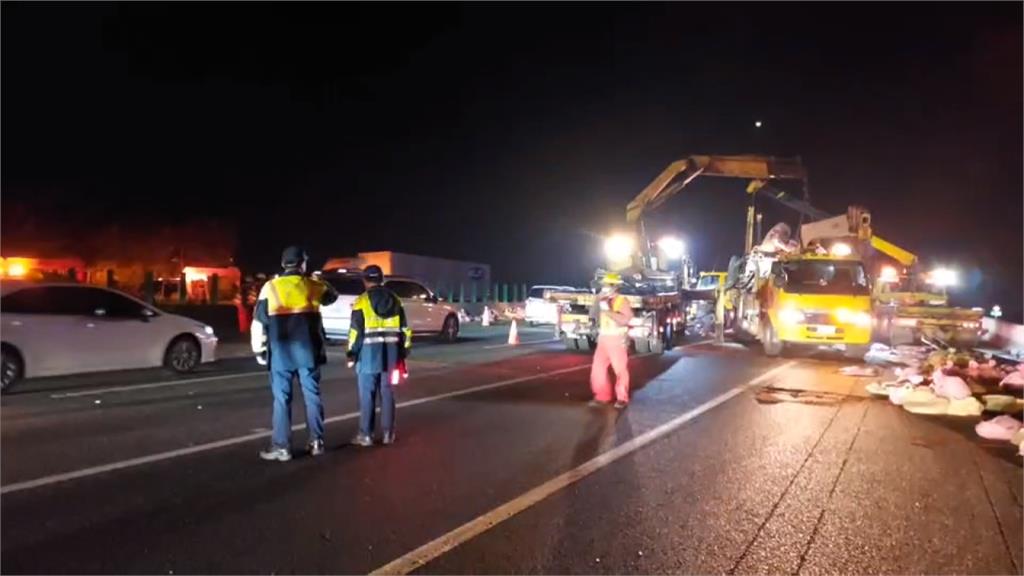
[619,247]
[757,124]
[672,247]
[943,277]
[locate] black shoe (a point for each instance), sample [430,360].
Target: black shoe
[388,438]
[598,404]
[316,447]
[620,405]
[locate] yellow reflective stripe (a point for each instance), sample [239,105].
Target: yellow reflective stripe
[274,300]
[292,295]
[408,337]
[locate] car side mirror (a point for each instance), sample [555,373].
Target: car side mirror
[147,314]
[432,299]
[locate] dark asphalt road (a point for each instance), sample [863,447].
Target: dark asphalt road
[853,486]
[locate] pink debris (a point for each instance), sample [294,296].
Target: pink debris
[999,428]
[1014,379]
[952,387]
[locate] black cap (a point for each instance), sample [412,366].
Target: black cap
[292,257]
[373,273]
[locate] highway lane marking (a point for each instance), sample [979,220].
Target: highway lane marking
[419,557]
[130,387]
[531,342]
[160,456]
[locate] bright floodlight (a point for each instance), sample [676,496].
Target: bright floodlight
[673,247]
[889,275]
[943,277]
[757,124]
[618,247]
[841,249]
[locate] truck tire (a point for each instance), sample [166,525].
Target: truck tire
[642,345]
[657,345]
[770,340]
[571,344]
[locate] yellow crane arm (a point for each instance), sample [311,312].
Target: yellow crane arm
[682,172]
[904,257]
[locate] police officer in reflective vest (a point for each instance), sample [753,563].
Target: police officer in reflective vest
[288,313]
[378,343]
[614,313]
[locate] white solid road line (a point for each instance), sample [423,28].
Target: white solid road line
[431,550]
[133,462]
[531,342]
[130,387]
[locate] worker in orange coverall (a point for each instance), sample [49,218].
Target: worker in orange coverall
[613,314]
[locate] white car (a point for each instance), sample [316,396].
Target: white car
[539,308]
[424,311]
[56,329]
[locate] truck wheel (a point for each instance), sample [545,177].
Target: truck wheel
[770,340]
[642,345]
[656,345]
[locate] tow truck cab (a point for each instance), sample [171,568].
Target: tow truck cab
[817,300]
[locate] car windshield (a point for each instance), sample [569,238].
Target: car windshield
[825,277]
[707,282]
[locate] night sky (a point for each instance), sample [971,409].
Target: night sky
[513,135]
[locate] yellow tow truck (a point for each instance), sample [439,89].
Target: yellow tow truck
[780,295]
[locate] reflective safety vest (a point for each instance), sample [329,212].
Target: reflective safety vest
[379,330]
[295,337]
[293,294]
[608,326]
[384,339]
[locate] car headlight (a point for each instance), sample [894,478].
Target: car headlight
[791,316]
[855,317]
[207,329]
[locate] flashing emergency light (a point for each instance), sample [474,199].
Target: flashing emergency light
[619,247]
[673,247]
[943,277]
[16,270]
[841,249]
[889,275]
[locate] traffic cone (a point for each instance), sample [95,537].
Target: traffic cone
[513,334]
[487,316]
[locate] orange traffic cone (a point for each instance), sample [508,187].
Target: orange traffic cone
[487,316]
[513,334]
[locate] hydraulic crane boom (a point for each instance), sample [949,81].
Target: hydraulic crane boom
[682,172]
